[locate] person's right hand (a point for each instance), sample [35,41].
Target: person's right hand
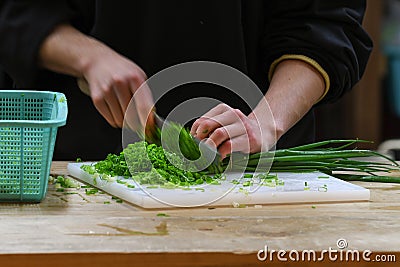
[113,80]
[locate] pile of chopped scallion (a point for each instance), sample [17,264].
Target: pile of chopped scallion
[148,164]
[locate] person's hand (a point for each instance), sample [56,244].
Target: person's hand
[113,80]
[230,130]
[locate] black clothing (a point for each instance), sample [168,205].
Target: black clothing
[155,34]
[5,81]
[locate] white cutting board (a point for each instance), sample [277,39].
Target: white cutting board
[228,194]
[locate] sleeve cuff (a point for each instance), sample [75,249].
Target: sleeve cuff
[308,60]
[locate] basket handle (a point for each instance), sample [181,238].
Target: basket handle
[62,109]
[60,119]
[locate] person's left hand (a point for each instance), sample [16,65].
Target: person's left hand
[230,130]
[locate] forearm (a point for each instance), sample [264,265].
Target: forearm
[295,87]
[68,51]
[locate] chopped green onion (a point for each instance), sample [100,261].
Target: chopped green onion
[162,215]
[91,191]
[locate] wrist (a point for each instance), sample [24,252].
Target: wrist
[271,130]
[295,87]
[89,58]
[66,50]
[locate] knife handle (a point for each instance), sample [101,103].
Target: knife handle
[83,85]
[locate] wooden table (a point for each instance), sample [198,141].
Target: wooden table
[71,228]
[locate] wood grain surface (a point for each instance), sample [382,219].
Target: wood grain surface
[71,225]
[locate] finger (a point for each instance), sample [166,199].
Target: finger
[131,118]
[114,107]
[144,102]
[222,134]
[97,95]
[228,117]
[103,109]
[220,108]
[239,143]
[124,95]
[225,149]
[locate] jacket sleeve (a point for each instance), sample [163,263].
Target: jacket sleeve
[327,34]
[23,27]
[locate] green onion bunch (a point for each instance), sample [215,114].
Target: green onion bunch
[339,161]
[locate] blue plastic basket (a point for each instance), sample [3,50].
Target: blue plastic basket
[28,129]
[393,54]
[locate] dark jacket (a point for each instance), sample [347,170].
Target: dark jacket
[155,34]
